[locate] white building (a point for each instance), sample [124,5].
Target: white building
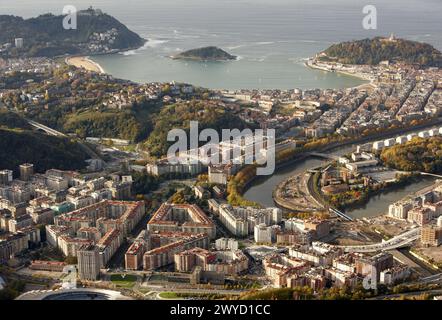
[226,244]
[389,142]
[401,139]
[242,220]
[19,43]
[399,210]
[395,274]
[378,145]
[263,233]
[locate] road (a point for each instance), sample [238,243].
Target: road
[46,129]
[398,241]
[56,133]
[196,290]
[407,294]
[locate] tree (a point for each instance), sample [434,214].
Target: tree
[71,260]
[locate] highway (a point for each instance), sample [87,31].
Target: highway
[46,129]
[437,278]
[431,174]
[398,241]
[56,133]
[407,294]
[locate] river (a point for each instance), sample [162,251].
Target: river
[261,190]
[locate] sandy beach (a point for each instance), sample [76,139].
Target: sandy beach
[86,63]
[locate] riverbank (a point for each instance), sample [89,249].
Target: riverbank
[85,63]
[261,188]
[293,195]
[358,202]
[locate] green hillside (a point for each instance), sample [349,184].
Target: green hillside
[21,145]
[44,151]
[45,35]
[373,51]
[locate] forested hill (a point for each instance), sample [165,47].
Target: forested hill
[206,54]
[45,36]
[21,145]
[416,155]
[373,51]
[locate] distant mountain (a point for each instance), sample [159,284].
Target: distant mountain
[205,54]
[373,51]
[45,36]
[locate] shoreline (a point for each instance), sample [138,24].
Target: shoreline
[332,146]
[369,84]
[85,62]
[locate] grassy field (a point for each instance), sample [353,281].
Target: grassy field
[123,281]
[169,295]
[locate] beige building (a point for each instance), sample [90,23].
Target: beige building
[89,262]
[183,218]
[431,235]
[26,171]
[241,221]
[420,216]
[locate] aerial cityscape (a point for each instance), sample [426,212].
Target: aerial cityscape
[134,169]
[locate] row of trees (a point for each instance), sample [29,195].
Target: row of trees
[237,184]
[12,290]
[335,293]
[416,155]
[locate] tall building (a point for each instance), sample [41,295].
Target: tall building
[431,235]
[226,244]
[19,43]
[263,233]
[88,262]
[420,216]
[5,177]
[374,265]
[241,221]
[399,210]
[134,256]
[26,171]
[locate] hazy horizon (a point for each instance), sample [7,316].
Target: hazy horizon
[342,16]
[272,38]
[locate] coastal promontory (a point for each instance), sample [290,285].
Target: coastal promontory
[373,51]
[205,54]
[45,36]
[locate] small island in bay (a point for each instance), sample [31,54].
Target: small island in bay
[205,54]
